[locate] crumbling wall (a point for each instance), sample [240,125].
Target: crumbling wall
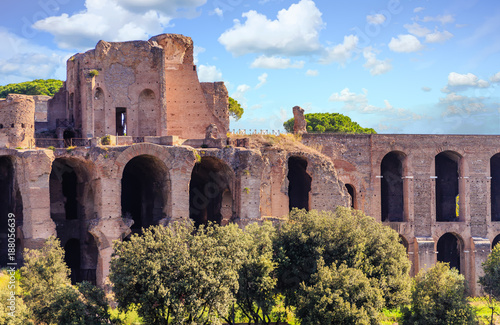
[17,121]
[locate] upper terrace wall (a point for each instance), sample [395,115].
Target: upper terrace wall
[151,85]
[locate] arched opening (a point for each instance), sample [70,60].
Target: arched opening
[99,113]
[495,241]
[9,206]
[299,183]
[148,114]
[352,193]
[392,187]
[144,191]
[495,187]
[210,198]
[449,248]
[72,209]
[447,186]
[73,259]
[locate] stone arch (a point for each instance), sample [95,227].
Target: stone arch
[299,183]
[352,193]
[448,170]
[148,149]
[144,191]
[10,206]
[149,115]
[449,250]
[495,187]
[99,112]
[72,210]
[495,241]
[392,187]
[210,192]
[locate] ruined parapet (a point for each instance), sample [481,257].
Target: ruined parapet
[217,99]
[300,124]
[17,121]
[177,49]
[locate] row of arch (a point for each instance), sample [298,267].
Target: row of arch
[448,187]
[145,185]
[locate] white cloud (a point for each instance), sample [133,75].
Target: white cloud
[276,62]
[340,53]
[295,31]
[417,29]
[348,97]
[426,89]
[262,80]
[443,19]
[375,65]
[438,37]
[209,73]
[21,60]
[405,44]
[495,77]
[217,11]
[197,50]
[239,94]
[115,20]
[418,9]
[376,19]
[466,80]
[312,73]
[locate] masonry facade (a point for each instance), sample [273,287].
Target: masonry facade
[154,150]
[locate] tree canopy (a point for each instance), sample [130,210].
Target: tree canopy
[36,87]
[329,122]
[235,109]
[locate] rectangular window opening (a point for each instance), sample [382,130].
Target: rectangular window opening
[121,121]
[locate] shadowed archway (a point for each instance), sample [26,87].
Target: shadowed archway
[299,185]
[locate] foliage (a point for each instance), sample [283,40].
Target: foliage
[21,313]
[93,73]
[106,140]
[49,294]
[235,109]
[340,295]
[178,274]
[439,296]
[491,278]
[329,122]
[256,297]
[347,237]
[36,87]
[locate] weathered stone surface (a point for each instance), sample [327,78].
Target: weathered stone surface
[17,121]
[300,124]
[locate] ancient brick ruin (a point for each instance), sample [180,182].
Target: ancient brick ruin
[133,139]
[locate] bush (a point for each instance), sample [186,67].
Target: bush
[439,296]
[329,122]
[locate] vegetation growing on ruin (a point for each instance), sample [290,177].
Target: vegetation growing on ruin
[329,122]
[36,87]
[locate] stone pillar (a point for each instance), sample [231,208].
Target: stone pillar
[480,250]
[424,247]
[300,124]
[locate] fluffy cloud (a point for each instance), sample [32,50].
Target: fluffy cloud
[340,53]
[115,20]
[426,89]
[375,65]
[312,73]
[295,31]
[262,80]
[466,80]
[495,77]
[276,62]
[209,73]
[405,44]
[376,19]
[418,9]
[417,30]
[443,19]
[239,94]
[21,60]
[438,37]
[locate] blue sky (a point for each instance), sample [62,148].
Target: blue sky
[408,66]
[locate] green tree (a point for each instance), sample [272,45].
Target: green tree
[19,316]
[36,87]
[178,274]
[48,292]
[329,122]
[257,281]
[340,296]
[439,296]
[235,109]
[490,281]
[345,236]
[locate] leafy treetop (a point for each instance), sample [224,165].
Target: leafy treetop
[36,87]
[329,122]
[235,109]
